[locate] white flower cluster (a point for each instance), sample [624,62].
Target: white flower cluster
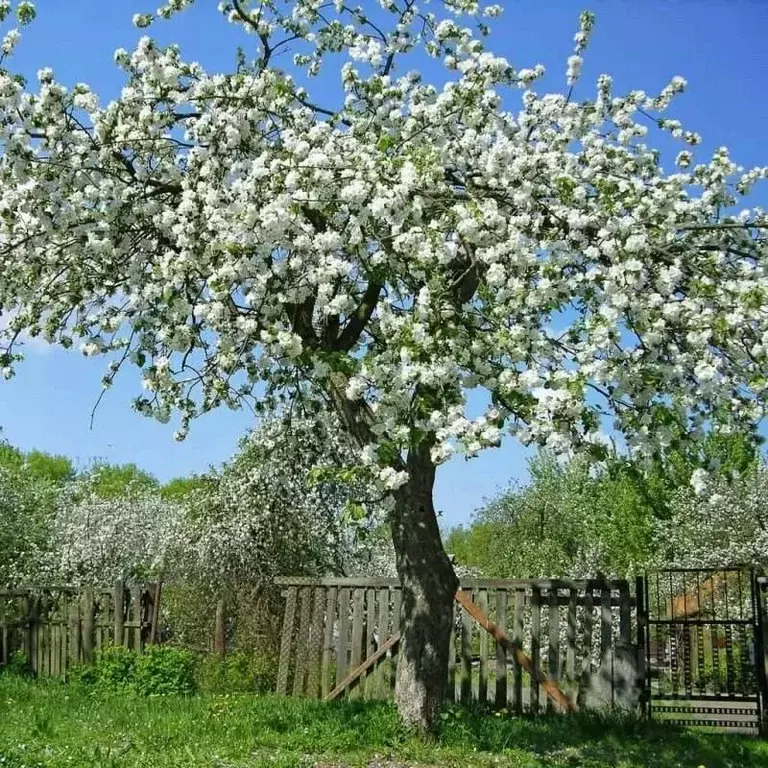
[21,13]
[727,526]
[240,242]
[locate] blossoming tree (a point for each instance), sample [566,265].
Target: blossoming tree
[241,241]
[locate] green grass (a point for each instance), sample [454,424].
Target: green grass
[53,725]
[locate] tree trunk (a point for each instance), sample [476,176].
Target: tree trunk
[428,586]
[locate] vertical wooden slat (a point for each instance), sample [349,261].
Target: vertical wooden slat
[397,605]
[342,641]
[535,647]
[570,652]
[74,631]
[330,625]
[370,640]
[27,626]
[517,637]
[553,632]
[136,605]
[302,639]
[642,638]
[384,634]
[87,626]
[315,644]
[501,651]
[453,695]
[118,607]
[286,641]
[482,685]
[63,614]
[466,656]
[357,636]
[606,633]
[586,661]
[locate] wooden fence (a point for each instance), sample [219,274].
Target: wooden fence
[60,627]
[583,635]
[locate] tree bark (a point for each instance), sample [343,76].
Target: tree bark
[428,586]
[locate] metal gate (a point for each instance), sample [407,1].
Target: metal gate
[704,648]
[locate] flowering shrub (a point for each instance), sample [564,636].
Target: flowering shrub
[726,524]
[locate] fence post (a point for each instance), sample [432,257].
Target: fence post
[119,609]
[642,639]
[760,587]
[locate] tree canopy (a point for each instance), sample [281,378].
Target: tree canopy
[244,241]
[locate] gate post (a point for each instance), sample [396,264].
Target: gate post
[760,593]
[643,678]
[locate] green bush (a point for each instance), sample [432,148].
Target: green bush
[18,665]
[164,670]
[158,670]
[241,672]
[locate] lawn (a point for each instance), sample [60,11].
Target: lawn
[49,725]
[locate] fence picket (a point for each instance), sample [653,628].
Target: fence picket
[517,637]
[370,639]
[342,641]
[330,625]
[302,639]
[553,631]
[285,641]
[357,635]
[315,644]
[382,685]
[466,656]
[482,684]
[501,651]
[535,646]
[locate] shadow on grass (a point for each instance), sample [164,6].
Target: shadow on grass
[587,738]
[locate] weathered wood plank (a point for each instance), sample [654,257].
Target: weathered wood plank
[330,625]
[136,605]
[586,660]
[382,679]
[356,655]
[302,640]
[501,650]
[517,638]
[286,641]
[74,632]
[606,625]
[553,633]
[118,606]
[466,653]
[570,652]
[370,639]
[87,626]
[535,647]
[315,643]
[356,673]
[550,686]
[397,618]
[342,641]
[482,683]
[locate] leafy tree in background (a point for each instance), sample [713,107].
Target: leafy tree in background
[580,518]
[113,481]
[242,241]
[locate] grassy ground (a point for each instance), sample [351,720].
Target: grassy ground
[52,725]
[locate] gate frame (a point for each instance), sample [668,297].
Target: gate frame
[758,623]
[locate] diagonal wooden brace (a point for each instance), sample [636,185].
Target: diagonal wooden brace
[549,685]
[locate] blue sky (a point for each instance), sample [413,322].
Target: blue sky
[719,47]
